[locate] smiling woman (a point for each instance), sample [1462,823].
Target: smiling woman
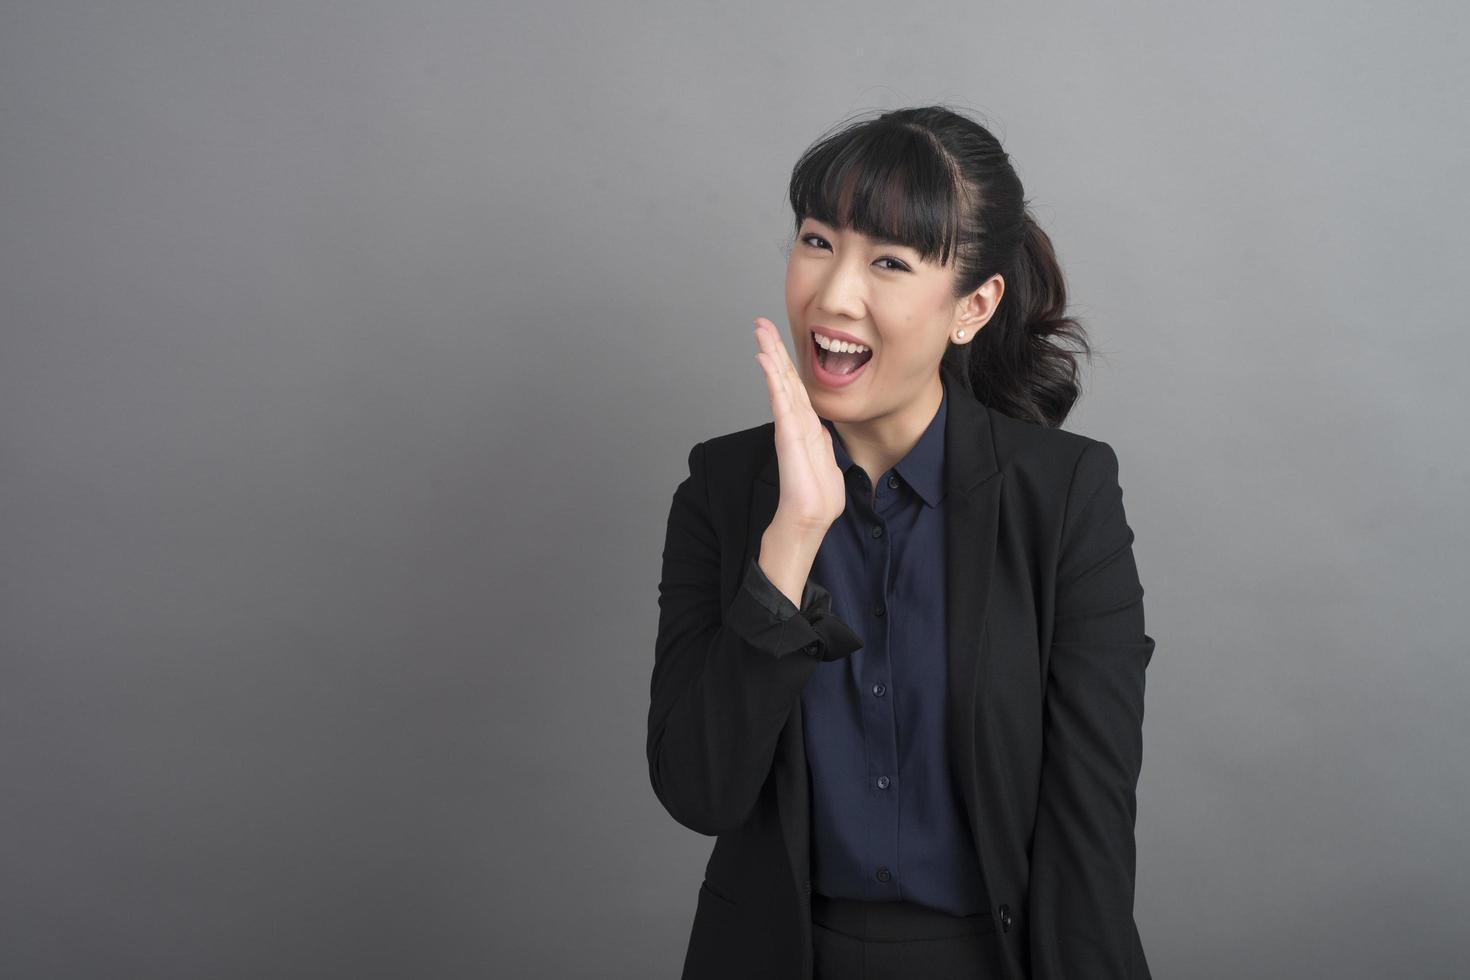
[900,654]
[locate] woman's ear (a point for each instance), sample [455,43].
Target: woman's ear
[976,308]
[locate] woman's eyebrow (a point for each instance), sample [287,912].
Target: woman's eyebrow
[875,239]
[891,243]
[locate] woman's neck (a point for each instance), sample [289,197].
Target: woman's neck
[877,444]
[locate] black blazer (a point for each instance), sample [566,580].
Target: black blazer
[1047,653]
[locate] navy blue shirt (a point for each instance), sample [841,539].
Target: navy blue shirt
[887,821]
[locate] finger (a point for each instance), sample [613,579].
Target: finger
[770,342]
[773,384]
[800,396]
[776,386]
[790,366]
[781,358]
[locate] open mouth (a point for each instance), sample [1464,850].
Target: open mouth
[839,364]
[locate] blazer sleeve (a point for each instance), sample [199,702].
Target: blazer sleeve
[725,679]
[1080,900]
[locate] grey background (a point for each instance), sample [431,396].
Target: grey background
[350,357]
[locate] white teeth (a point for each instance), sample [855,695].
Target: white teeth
[840,346]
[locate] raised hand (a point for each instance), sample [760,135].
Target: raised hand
[812,492]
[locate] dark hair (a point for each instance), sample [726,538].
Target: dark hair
[939,182]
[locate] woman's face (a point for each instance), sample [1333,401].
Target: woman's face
[884,297]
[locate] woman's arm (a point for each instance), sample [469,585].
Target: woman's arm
[724,681]
[1083,856]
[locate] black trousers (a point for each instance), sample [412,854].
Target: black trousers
[855,940]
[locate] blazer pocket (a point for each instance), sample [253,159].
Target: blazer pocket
[717,896]
[719,946]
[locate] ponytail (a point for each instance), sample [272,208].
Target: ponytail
[1015,364]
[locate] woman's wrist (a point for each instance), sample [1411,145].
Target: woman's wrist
[787,554]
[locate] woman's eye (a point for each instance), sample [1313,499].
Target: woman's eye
[810,239]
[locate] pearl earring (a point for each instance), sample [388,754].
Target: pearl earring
[962,335]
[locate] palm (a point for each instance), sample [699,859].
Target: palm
[812,492]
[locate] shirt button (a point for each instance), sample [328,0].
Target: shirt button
[893,481]
[879,609]
[878,690]
[883,874]
[877,530]
[882,782]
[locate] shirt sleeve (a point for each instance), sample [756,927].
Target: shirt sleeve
[765,617]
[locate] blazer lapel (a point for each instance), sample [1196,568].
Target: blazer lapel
[972,483]
[972,507]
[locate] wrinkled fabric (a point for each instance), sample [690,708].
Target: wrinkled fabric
[790,628]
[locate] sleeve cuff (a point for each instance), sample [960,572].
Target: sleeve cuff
[764,617]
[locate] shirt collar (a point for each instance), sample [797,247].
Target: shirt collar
[923,467]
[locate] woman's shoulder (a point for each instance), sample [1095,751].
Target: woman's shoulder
[742,442]
[734,457]
[1019,442]
[1048,458]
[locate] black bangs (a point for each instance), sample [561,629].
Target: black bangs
[886,179]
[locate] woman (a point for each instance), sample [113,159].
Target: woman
[899,671]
